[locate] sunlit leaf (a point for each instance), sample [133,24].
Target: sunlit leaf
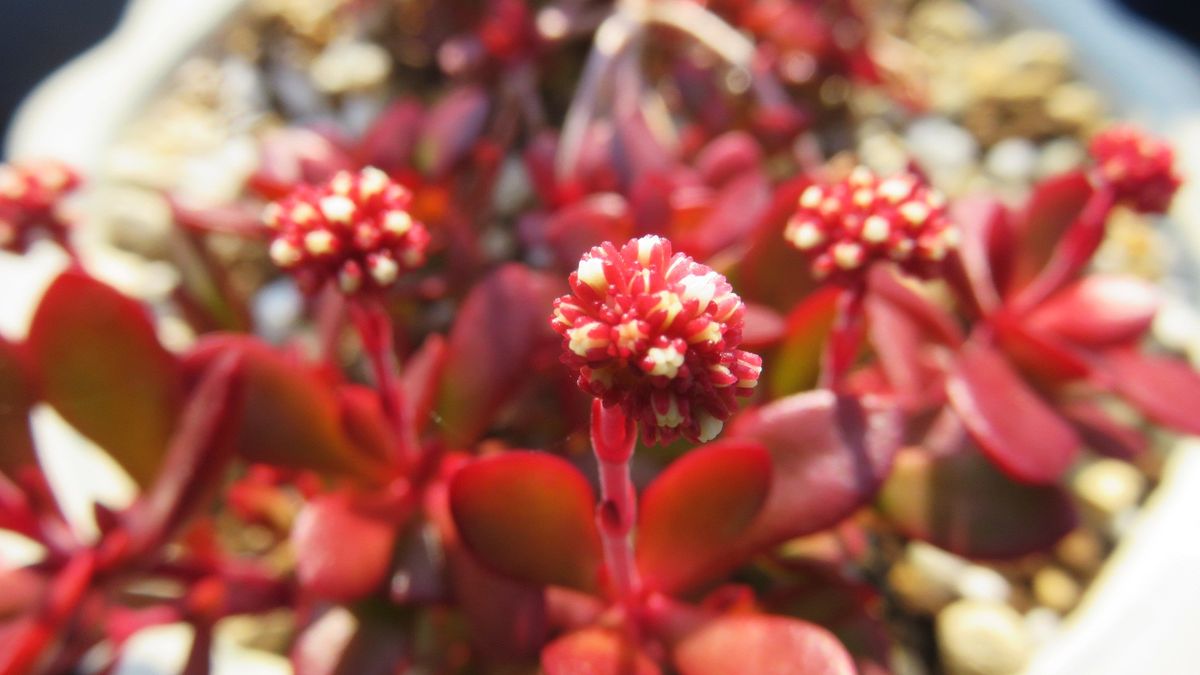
[596,651]
[748,644]
[100,365]
[343,551]
[530,516]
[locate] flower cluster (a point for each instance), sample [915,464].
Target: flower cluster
[356,229]
[656,334]
[847,226]
[1136,166]
[29,195]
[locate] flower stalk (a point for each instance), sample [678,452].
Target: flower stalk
[613,438]
[374,328]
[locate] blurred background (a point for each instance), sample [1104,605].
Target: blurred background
[37,36]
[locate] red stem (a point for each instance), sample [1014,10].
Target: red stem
[330,315]
[845,338]
[613,438]
[374,327]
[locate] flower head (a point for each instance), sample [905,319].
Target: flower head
[355,229]
[29,195]
[1137,166]
[846,226]
[656,334]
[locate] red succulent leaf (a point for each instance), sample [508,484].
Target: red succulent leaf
[392,138]
[757,275]
[366,424]
[763,328]
[904,326]
[748,644]
[1051,210]
[1099,311]
[576,227]
[727,157]
[507,619]
[343,551]
[419,380]
[596,651]
[796,364]
[829,456]
[695,509]
[196,458]
[1040,355]
[529,516]
[451,129]
[989,396]
[1101,433]
[492,349]
[983,255]
[100,365]
[730,216]
[17,396]
[1165,389]
[291,417]
[293,156]
[24,645]
[961,503]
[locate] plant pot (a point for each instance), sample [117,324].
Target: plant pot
[1140,614]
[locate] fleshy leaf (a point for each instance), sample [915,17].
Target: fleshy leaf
[1164,389]
[595,651]
[1049,213]
[16,398]
[198,454]
[796,365]
[1012,424]
[419,380]
[697,508]
[1103,434]
[961,503]
[492,348]
[450,129]
[748,644]
[530,516]
[100,365]
[1099,311]
[829,455]
[343,552]
[291,418]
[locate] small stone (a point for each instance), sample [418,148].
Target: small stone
[917,591]
[982,583]
[1109,486]
[1012,159]
[1043,625]
[350,66]
[941,145]
[1082,551]
[1055,588]
[1075,106]
[1060,156]
[977,637]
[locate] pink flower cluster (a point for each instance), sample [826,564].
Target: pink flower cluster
[356,229]
[656,334]
[848,225]
[1138,167]
[29,194]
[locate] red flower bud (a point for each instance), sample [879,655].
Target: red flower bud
[1136,166]
[355,229]
[847,226]
[656,334]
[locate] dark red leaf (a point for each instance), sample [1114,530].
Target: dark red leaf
[492,349]
[1042,357]
[730,216]
[451,129]
[392,138]
[1103,434]
[1099,311]
[1012,424]
[17,396]
[829,455]
[748,644]
[596,651]
[100,365]
[695,509]
[573,229]
[1052,207]
[343,552]
[796,364]
[198,454]
[419,380]
[757,276]
[292,417]
[530,516]
[961,503]
[292,156]
[1164,389]
[763,327]
[986,236]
